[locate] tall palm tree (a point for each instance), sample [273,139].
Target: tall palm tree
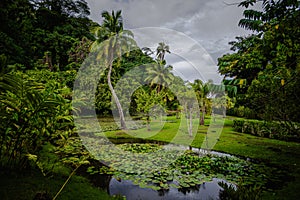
[161,50]
[158,74]
[115,38]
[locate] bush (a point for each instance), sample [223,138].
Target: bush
[273,129]
[31,115]
[242,111]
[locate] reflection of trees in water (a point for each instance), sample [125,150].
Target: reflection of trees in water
[98,180]
[101,181]
[182,190]
[190,189]
[162,192]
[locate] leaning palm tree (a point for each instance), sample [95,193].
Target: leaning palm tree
[116,41]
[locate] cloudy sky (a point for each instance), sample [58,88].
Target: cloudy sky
[211,23]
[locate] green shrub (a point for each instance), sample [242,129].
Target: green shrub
[242,111]
[31,115]
[274,129]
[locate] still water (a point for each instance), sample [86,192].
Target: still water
[206,191]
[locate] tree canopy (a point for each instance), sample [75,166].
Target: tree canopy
[267,63]
[42,32]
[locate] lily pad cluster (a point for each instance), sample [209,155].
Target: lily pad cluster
[184,171]
[140,148]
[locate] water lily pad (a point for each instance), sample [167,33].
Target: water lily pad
[174,185]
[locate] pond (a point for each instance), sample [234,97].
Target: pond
[205,191]
[193,174]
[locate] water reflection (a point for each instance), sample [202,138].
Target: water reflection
[206,191]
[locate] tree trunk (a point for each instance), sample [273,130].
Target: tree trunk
[48,60]
[224,112]
[148,123]
[202,117]
[178,114]
[116,99]
[191,123]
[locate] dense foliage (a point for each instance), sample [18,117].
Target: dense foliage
[274,129]
[32,115]
[266,64]
[40,34]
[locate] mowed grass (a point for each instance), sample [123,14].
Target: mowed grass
[282,154]
[172,130]
[230,141]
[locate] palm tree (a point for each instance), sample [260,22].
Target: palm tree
[161,50]
[147,51]
[159,76]
[115,38]
[202,90]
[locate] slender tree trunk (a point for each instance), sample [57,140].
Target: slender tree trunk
[213,116]
[178,114]
[148,123]
[202,117]
[158,88]
[161,118]
[116,99]
[191,123]
[187,120]
[49,61]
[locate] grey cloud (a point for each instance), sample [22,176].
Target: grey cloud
[212,23]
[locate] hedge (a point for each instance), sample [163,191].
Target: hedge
[273,129]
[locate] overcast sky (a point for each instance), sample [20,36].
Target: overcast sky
[211,23]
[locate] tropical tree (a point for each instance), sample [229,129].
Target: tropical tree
[159,76]
[115,41]
[267,62]
[274,29]
[190,106]
[79,52]
[147,51]
[161,50]
[202,90]
[50,26]
[146,99]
